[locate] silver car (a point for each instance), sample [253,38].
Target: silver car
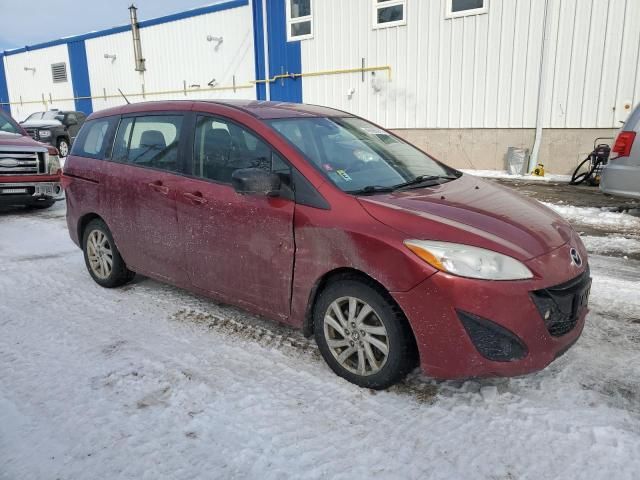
[621,176]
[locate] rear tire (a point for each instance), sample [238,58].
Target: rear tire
[102,258]
[362,335]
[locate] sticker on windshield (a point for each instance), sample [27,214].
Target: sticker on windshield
[344,175]
[374,131]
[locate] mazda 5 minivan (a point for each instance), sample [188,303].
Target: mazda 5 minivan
[324,221]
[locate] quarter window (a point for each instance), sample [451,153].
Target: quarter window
[461,8]
[299,19]
[222,147]
[151,141]
[389,13]
[94,139]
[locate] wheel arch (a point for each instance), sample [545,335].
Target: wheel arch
[345,273]
[84,221]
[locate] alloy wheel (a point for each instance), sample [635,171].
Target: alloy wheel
[100,254]
[356,336]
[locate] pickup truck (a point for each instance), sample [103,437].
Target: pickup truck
[55,127]
[30,171]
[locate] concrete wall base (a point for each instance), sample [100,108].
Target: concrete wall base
[561,151]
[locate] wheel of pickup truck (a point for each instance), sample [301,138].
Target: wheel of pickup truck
[103,260]
[63,147]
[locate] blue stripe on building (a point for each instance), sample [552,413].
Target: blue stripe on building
[258,45]
[4,91]
[80,76]
[284,57]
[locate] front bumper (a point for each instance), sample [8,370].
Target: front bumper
[28,193]
[446,348]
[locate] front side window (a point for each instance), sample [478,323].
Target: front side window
[8,125]
[221,147]
[358,156]
[462,8]
[94,139]
[299,19]
[149,141]
[389,13]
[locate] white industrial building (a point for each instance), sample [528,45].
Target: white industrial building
[464,79]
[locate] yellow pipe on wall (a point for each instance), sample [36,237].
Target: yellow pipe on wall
[251,84]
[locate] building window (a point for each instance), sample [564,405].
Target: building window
[59,72]
[299,19]
[389,13]
[462,8]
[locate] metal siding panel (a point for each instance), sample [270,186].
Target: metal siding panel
[578,72]
[533,57]
[493,65]
[455,80]
[551,50]
[519,64]
[595,52]
[33,85]
[610,67]
[506,63]
[563,58]
[629,62]
[468,72]
[176,53]
[480,71]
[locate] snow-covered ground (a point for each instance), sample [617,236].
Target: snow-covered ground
[149,381]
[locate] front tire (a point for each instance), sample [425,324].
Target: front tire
[102,258]
[362,335]
[63,147]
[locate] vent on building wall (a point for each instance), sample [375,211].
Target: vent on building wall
[59,72]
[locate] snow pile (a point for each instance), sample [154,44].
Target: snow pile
[549,177]
[612,244]
[593,216]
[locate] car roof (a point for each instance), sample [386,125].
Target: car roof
[258,108]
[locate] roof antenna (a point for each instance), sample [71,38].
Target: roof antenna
[125,98]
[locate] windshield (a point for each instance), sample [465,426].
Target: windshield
[8,125]
[356,155]
[49,115]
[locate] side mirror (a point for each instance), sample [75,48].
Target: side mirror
[255,181]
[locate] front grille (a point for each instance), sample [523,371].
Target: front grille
[559,306]
[21,163]
[33,133]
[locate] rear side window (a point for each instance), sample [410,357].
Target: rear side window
[149,141]
[94,139]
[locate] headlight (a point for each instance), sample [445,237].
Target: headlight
[44,133]
[468,261]
[53,164]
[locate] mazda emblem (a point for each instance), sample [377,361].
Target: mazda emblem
[575,257]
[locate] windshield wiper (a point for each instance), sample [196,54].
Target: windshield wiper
[370,190]
[420,180]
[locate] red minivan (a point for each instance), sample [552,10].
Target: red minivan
[324,221]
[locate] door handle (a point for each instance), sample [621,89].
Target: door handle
[158,187]
[195,198]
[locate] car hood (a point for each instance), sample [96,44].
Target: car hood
[41,124]
[475,212]
[18,140]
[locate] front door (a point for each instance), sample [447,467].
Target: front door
[237,246]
